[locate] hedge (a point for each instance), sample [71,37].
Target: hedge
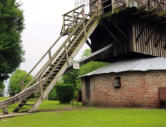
[65,92]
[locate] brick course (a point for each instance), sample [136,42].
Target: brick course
[138,89]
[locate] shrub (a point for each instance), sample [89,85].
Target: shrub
[15,79]
[52,95]
[2,86]
[65,92]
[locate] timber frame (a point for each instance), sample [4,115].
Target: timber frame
[136,28]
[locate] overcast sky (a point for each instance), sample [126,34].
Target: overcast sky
[43,22]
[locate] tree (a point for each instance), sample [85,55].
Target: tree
[72,76]
[11,20]
[91,66]
[87,52]
[15,79]
[2,86]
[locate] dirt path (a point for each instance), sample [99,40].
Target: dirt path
[13,115]
[49,110]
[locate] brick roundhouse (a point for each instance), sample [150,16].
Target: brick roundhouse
[130,83]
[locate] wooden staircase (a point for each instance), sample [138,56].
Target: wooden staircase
[79,30]
[78,27]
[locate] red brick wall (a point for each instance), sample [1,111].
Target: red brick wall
[138,89]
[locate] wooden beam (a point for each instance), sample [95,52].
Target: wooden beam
[160,38]
[141,31]
[127,3]
[113,6]
[111,33]
[119,29]
[164,41]
[152,32]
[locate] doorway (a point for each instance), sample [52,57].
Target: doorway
[87,90]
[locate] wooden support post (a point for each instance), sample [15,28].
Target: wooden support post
[22,103]
[5,111]
[127,3]
[133,44]
[50,58]
[67,56]
[113,6]
[100,8]
[41,87]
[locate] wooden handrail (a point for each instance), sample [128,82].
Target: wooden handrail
[39,61]
[73,10]
[53,57]
[71,18]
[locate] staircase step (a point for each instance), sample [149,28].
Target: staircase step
[31,99]
[52,77]
[29,104]
[64,60]
[59,66]
[55,70]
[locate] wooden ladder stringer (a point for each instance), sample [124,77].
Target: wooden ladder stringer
[65,66]
[39,90]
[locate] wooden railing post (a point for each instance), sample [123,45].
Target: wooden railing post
[41,86]
[84,27]
[50,58]
[100,8]
[66,52]
[5,111]
[63,26]
[73,19]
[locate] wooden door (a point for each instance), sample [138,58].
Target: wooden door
[87,90]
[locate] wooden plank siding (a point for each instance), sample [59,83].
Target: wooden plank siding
[150,47]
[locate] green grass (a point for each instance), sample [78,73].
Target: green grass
[91,118]
[2,98]
[46,105]
[87,117]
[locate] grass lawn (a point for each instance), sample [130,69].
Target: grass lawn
[46,105]
[91,118]
[88,117]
